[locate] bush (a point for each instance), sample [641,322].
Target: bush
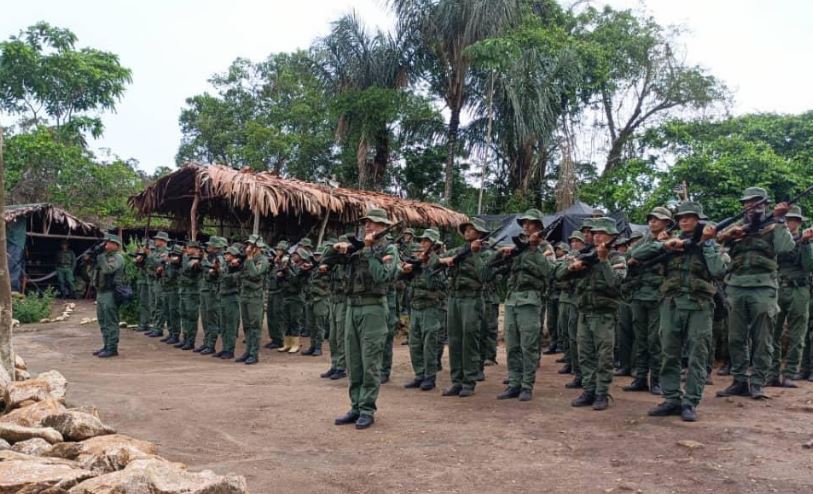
[129,311]
[32,308]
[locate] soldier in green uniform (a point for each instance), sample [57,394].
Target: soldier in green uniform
[794,302]
[306,330]
[687,307]
[320,285]
[229,301]
[189,294]
[293,279]
[65,261]
[528,271]
[466,274]
[371,270]
[392,325]
[212,265]
[143,288]
[252,278]
[109,272]
[273,313]
[406,246]
[428,293]
[170,290]
[624,332]
[569,312]
[600,275]
[646,307]
[155,261]
[338,314]
[752,290]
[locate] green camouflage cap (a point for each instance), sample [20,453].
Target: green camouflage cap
[795,212]
[532,215]
[193,243]
[576,235]
[477,223]
[408,231]
[217,242]
[587,224]
[754,193]
[377,215]
[430,234]
[113,238]
[689,207]
[605,225]
[622,241]
[343,238]
[305,254]
[660,213]
[233,250]
[563,246]
[254,240]
[330,241]
[161,236]
[177,249]
[306,242]
[282,245]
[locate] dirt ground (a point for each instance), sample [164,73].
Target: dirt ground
[273,423]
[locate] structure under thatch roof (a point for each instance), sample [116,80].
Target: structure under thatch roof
[234,196]
[43,218]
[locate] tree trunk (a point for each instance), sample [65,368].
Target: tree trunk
[6,350]
[454,125]
[380,160]
[361,163]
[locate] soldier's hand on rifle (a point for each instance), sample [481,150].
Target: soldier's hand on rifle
[807,234]
[369,240]
[341,247]
[632,261]
[674,244]
[733,232]
[535,239]
[664,236]
[505,251]
[323,268]
[576,265]
[602,252]
[386,259]
[406,267]
[476,245]
[709,232]
[446,261]
[235,263]
[781,209]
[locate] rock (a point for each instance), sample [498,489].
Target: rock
[688,443]
[91,410]
[105,453]
[15,323]
[49,384]
[31,474]
[4,445]
[44,320]
[19,363]
[159,476]
[33,415]
[14,433]
[801,407]
[5,380]
[808,445]
[21,375]
[35,446]
[77,426]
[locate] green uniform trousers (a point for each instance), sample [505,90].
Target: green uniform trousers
[173,305]
[144,305]
[463,326]
[488,333]
[338,314]
[719,340]
[365,333]
[392,325]
[679,329]
[230,320]
[626,341]
[751,322]
[66,281]
[251,312]
[321,322]
[807,355]
[308,318]
[551,322]
[596,339]
[424,326]
[522,344]
[107,313]
[190,308]
[646,323]
[293,313]
[794,307]
[568,325]
[160,306]
[210,316]
[273,317]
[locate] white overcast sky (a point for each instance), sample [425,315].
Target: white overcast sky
[760,49]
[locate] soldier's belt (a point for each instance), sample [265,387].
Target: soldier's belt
[793,283]
[367,300]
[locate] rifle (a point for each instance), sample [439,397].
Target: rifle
[688,244]
[588,255]
[465,252]
[722,225]
[356,244]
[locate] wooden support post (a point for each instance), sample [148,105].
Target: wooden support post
[193,213]
[322,229]
[6,350]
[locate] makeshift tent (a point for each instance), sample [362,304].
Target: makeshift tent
[287,208]
[34,232]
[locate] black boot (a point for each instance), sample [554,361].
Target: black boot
[309,351]
[481,376]
[688,413]
[601,402]
[584,400]
[550,350]
[737,388]
[364,421]
[638,384]
[317,351]
[655,386]
[567,369]
[622,371]
[348,418]
[251,360]
[787,382]
[725,370]
[218,354]
[339,374]
[454,390]
[561,360]
[576,383]
[509,393]
[189,345]
[97,352]
[227,356]
[165,339]
[199,349]
[428,384]
[326,375]
[179,343]
[242,358]
[757,393]
[207,351]
[173,340]
[108,354]
[414,384]
[665,409]
[525,395]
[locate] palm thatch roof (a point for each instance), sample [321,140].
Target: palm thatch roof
[45,217]
[228,194]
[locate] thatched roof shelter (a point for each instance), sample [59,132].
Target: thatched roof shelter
[284,205]
[46,219]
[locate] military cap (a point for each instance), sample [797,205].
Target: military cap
[636,236]
[408,231]
[331,240]
[254,240]
[795,212]
[599,213]
[306,242]
[477,223]
[587,224]
[233,250]
[531,215]
[161,236]
[177,249]
[563,246]
[305,254]
[217,242]
[282,245]
[193,243]
[430,234]
[622,240]
[689,207]
[660,213]
[113,238]
[754,193]
[343,238]
[605,225]
[576,235]
[377,215]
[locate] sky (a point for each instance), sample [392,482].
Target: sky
[759,49]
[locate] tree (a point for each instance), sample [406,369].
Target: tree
[47,81]
[7,371]
[443,30]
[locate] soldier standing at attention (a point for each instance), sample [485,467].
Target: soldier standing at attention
[252,278]
[624,333]
[229,301]
[338,314]
[600,273]
[143,288]
[65,261]
[752,289]
[428,293]
[109,272]
[155,270]
[687,309]
[569,312]
[294,281]
[273,314]
[371,270]
[646,307]
[320,285]
[794,302]
[528,272]
[210,294]
[171,271]
[189,294]
[464,308]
